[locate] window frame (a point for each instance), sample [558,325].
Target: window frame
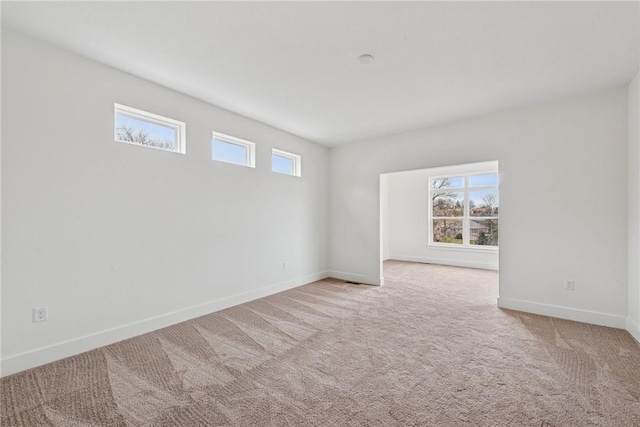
[466,218]
[295,158]
[135,113]
[250,146]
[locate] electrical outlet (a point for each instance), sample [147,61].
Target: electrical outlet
[40,314]
[569,284]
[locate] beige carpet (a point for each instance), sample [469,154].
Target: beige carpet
[428,348]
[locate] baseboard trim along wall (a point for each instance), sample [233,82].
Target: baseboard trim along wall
[356,278]
[51,353]
[634,329]
[444,261]
[585,316]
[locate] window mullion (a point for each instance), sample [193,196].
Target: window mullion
[465,222]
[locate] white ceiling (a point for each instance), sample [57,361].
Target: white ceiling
[293,65]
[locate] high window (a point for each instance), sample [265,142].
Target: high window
[229,149]
[286,163]
[464,210]
[138,127]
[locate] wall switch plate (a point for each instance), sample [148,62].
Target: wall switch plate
[40,314]
[285,265]
[570,285]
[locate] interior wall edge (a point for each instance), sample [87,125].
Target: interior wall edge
[356,278]
[633,328]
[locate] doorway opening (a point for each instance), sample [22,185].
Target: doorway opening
[446,216]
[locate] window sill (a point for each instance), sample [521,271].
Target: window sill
[137,144]
[460,248]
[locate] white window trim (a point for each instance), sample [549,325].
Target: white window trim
[178,126]
[465,224]
[250,146]
[297,162]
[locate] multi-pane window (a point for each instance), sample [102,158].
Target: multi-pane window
[138,127]
[229,149]
[464,210]
[286,163]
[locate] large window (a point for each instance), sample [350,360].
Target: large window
[464,210]
[139,127]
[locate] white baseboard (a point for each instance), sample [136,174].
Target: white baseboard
[40,356]
[585,316]
[445,261]
[634,329]
[356,278]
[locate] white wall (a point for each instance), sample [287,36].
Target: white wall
[385,220]
[633,321]
[407,205]
[118,239]
[562,200]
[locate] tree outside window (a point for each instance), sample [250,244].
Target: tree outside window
[464,210]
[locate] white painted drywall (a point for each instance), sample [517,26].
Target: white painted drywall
[407,208]
[562,200]
[118,239]
[633,321]
[384,220]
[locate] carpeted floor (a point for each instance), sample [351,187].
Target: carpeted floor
[428,348]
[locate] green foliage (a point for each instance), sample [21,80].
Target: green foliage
[450,240]
[482,239]
[489,238]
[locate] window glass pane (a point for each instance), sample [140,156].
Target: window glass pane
[228,152]
[282,164]
[483,232]
[447,231]
[138,131]
[483,180]
[448,204]
[483,203]
[442,183]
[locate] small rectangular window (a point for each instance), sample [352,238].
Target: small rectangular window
[229,149]
[286,163]
[138,127]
